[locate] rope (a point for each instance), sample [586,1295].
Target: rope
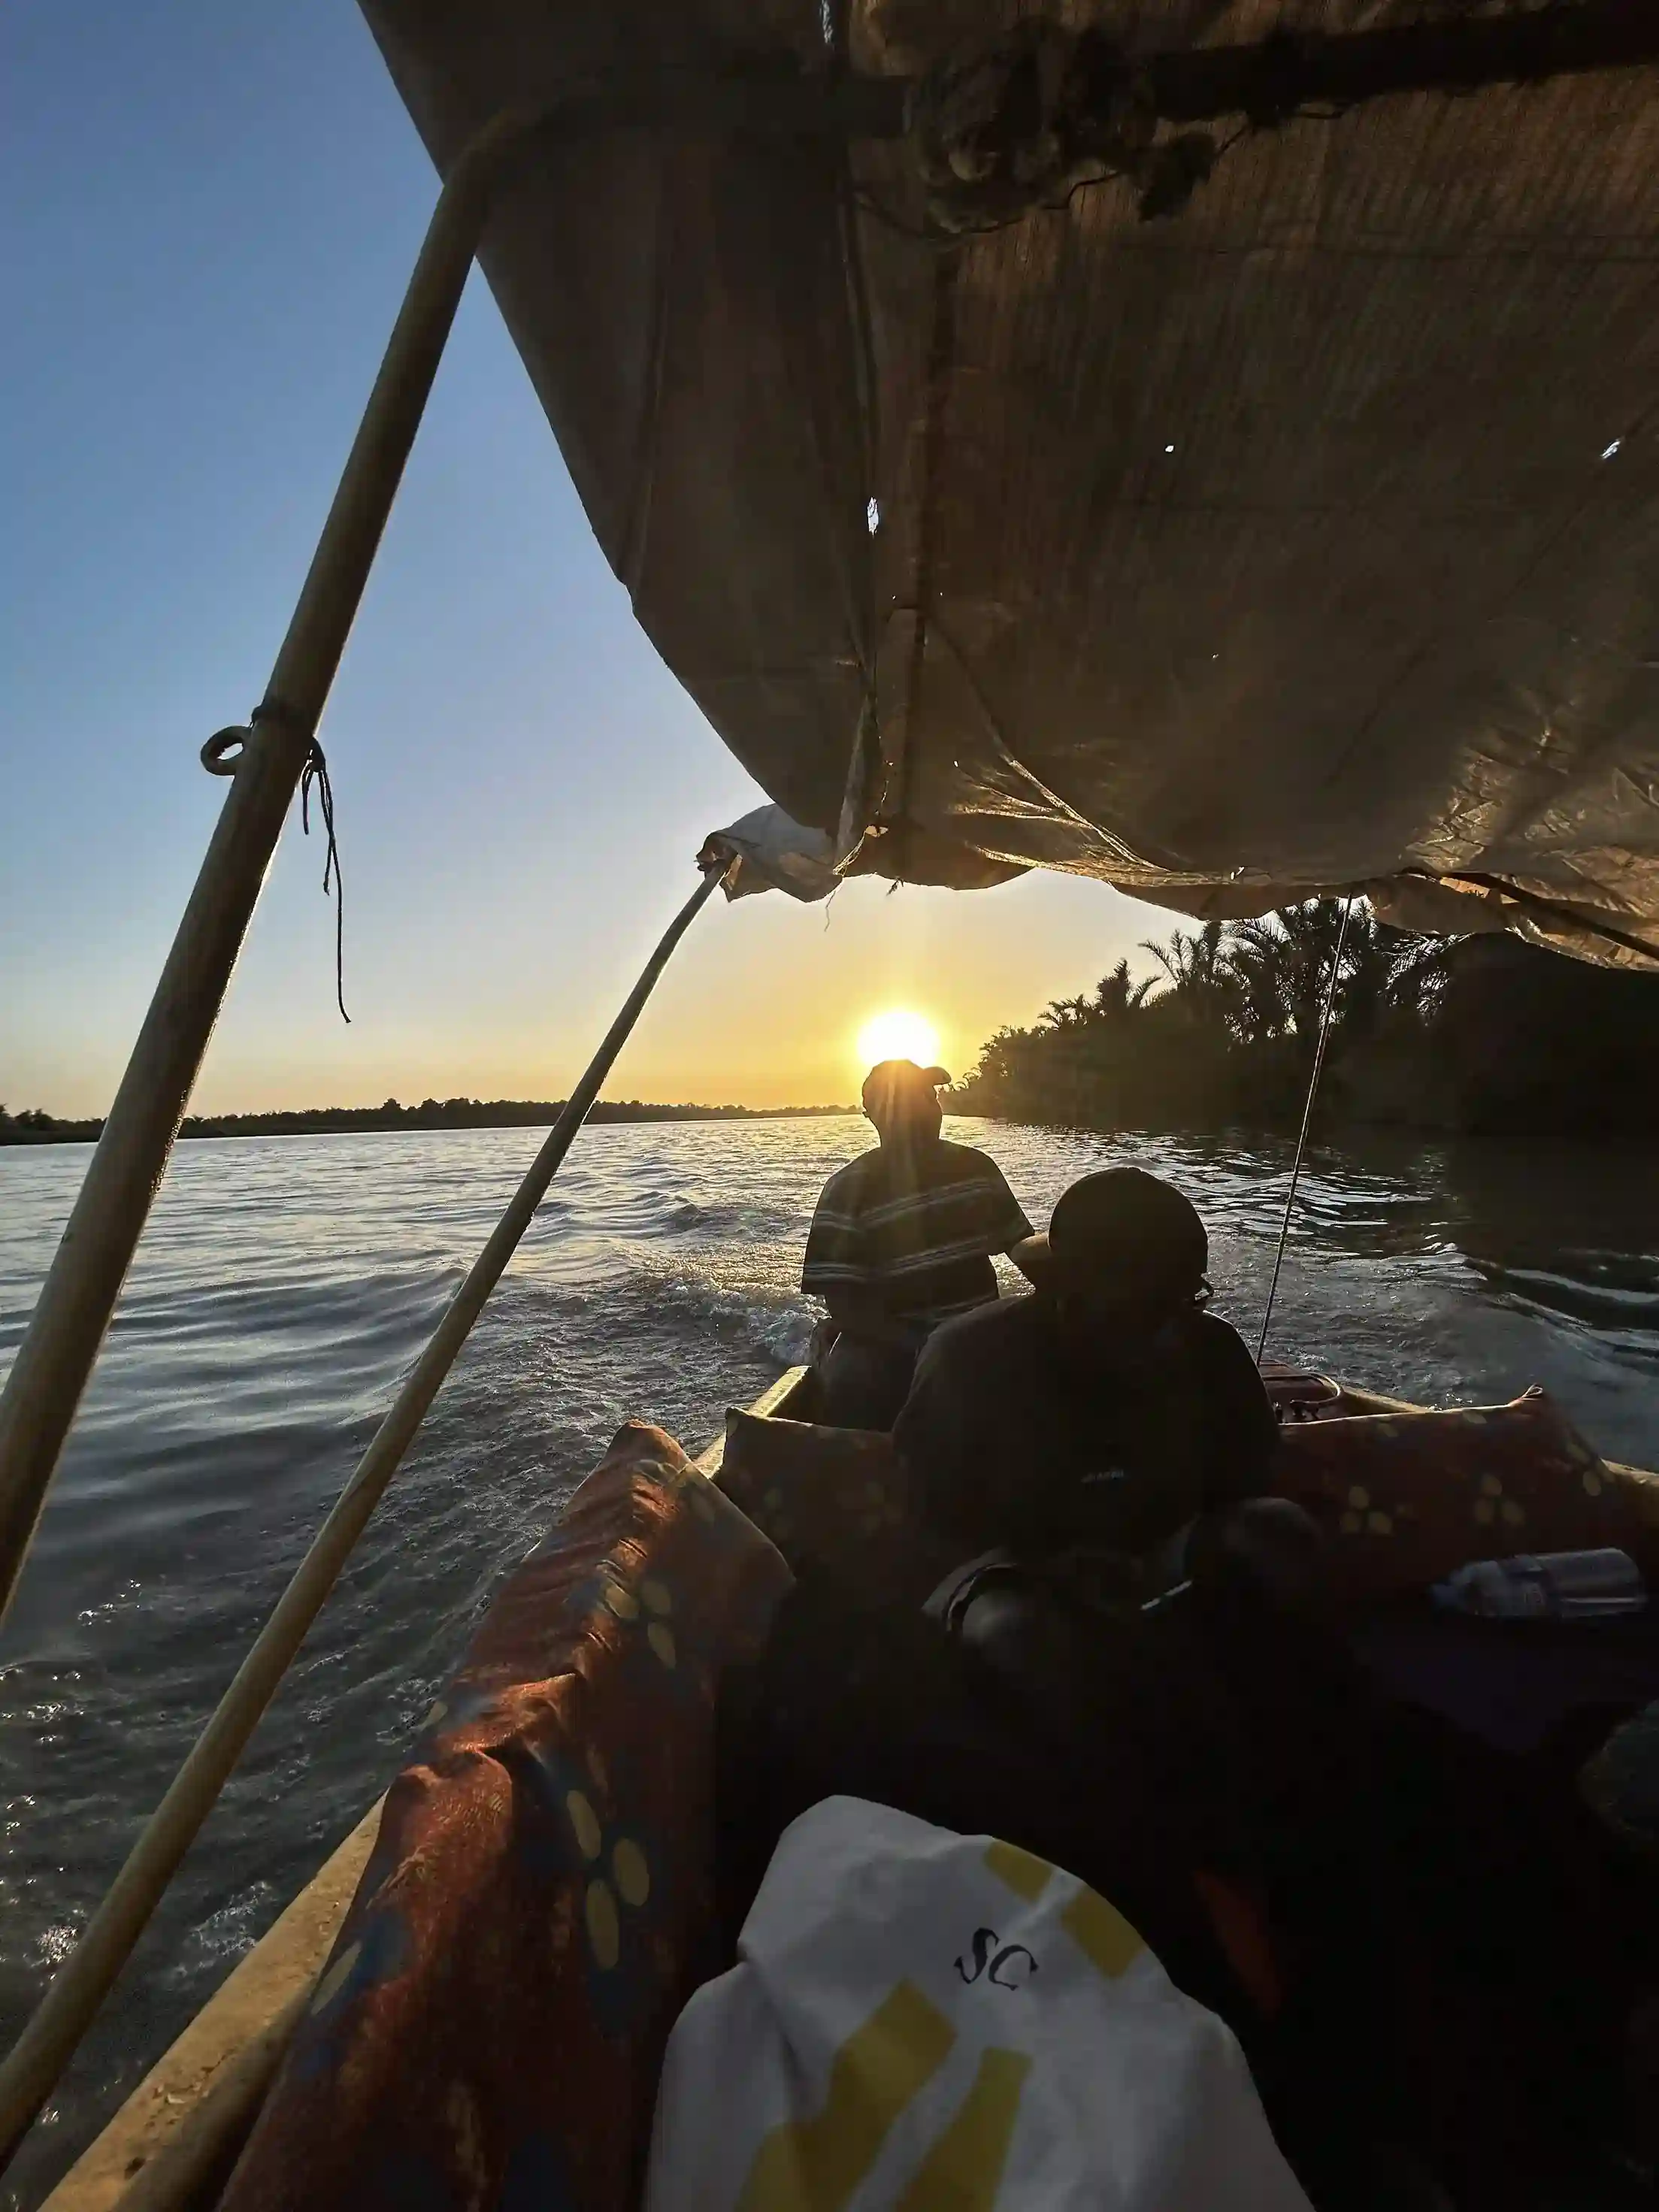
[1307,1118]
[316,772]
[223,755]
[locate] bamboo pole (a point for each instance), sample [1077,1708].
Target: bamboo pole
[38,1401]
[200,2095]
[58,1351]
[47,2045]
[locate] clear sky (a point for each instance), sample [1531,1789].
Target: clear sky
[210,211]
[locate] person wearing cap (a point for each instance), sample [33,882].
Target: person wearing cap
[1109,1413]
[901,1241]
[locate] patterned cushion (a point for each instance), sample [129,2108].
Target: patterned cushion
[1409,1498]
[832,1497]
[540,1902]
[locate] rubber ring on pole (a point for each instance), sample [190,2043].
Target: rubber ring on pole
[223,753]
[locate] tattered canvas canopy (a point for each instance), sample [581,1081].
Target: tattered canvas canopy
[1303,536]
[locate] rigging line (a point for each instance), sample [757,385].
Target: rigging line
[1307,1118]
[315,771]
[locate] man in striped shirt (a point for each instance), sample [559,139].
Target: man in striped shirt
[901,1241]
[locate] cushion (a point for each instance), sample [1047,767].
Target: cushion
[1409,1498]
[835,1499]
[540,1902]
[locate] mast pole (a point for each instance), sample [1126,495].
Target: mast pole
[67,1327]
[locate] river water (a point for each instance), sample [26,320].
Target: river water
[286,1284]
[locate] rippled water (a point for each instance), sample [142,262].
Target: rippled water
[286,1284]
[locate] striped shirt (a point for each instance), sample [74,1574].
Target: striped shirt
[918,1231]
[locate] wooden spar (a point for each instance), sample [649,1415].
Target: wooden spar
[44,2049]
[68,1325]
[169,2147]
[61,1344]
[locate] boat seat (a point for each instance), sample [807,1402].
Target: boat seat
[1404,1498]
[540,1901]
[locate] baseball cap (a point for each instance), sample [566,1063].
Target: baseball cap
[892,1082]
[1135,1226]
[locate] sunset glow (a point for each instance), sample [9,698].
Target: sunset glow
[898,1035]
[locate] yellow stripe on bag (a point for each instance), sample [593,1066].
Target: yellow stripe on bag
[1102,1934]
[814,2165]
[1020,1871]
[962,2171]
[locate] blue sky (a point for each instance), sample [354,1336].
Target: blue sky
[211,213]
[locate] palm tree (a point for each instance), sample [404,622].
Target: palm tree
[1064,1014]
[1284,962]
[1116,997]
[1368,961]
[1202,984]
[1421,968]
[1217,988]
[1193,962]
[1255,962]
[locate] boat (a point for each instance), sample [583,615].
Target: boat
[592,1676]
[1203,451]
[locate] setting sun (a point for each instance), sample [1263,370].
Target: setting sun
[898,1035]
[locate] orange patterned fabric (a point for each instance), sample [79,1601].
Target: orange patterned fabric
[540,1902]
[1409,1498]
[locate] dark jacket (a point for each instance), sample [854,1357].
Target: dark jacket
[1009,1444]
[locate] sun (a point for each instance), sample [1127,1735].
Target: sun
[898,1035]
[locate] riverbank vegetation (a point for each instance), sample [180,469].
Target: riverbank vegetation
[35,1128]
[1480,1034]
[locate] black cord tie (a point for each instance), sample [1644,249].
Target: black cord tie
[223,754]
[316,771]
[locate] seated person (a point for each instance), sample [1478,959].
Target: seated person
[1109,1412]
[901,1241]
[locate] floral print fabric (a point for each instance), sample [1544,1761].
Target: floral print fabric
[539,1903]
[1407,1499]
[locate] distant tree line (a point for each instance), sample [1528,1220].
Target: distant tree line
[36,1127]
[1484,1034]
